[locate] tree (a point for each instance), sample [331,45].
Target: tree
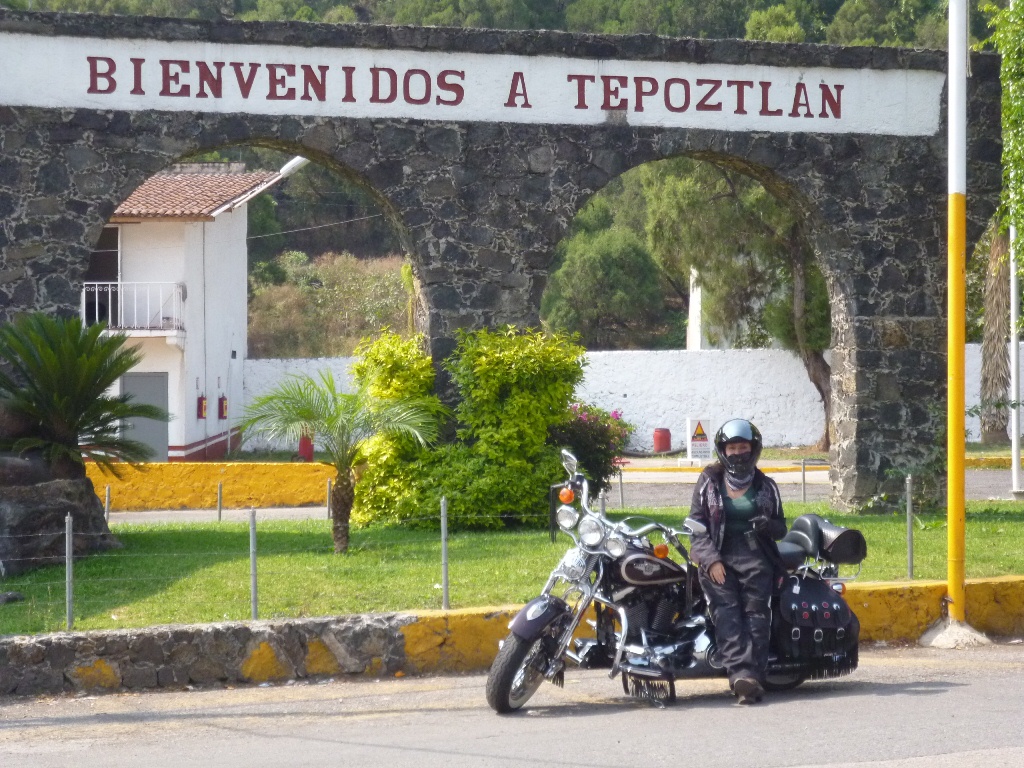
[341,423]
[995,356]
[777,24]
[57,379]
[1009,41]
[607,289]
[751,255]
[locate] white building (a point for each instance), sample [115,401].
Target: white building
[170,271]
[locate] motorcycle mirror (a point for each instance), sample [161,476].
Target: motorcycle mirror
[693,526]
[569,462]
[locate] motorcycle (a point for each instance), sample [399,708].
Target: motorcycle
[651,624]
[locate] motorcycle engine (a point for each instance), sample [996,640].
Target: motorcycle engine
[650,612]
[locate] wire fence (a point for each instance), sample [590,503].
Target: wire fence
[264,568]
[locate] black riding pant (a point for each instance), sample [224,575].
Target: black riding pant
[741,610]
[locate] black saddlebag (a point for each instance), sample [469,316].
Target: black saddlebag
[812,621]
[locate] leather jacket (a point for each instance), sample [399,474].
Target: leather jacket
[708,508]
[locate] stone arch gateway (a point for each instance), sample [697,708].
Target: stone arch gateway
[484,144]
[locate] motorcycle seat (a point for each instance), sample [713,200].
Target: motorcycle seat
[793,555]
[804,534]
[817,537]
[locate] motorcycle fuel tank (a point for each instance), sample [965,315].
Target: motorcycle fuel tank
[639,567]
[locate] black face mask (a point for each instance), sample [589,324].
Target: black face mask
[740,465]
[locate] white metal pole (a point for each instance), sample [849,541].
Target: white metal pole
[253,597]
[445,602]
[69,572]
[1014,368]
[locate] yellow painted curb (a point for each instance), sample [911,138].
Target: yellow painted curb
[193,485]
[319,659]
[467,640]
[263,665]
[455,641]
[989,462]
[697,470]
[99,674]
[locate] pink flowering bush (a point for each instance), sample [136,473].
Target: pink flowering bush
[596,437]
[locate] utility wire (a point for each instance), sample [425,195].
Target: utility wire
[319,226]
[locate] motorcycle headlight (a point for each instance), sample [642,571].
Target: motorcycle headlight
[567,517]
[591,532]
[616,545]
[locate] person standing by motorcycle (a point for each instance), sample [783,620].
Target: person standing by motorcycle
[741,509]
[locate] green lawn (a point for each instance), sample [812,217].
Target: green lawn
[178,573]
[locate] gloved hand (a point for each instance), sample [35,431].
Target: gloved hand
[760,524]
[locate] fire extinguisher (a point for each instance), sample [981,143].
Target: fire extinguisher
[222,407]
[201,407]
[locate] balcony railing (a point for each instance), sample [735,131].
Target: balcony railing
[134,306]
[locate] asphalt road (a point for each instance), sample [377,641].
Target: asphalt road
[904,708]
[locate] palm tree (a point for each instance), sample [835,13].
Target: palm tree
[55,375]
[342,423]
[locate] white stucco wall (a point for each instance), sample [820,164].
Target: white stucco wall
[261,376]
[209,258]
[661,389]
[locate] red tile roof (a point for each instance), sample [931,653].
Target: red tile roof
[189,195]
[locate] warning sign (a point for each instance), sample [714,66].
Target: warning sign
[698,444]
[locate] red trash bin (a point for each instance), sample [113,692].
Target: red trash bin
[662,440]
[306,448]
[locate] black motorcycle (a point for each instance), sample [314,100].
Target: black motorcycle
[650,622]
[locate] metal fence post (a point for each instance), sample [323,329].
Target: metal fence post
[910,527]
[106,505]
[252,563]
[69,572]
[328,498]
[445,604]
[803,480]
[220,501]
[602,497]
[622,498]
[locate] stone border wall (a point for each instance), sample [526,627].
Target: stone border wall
[393,644]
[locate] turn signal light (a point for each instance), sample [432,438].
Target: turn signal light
[661,550]
[566,496]
[839,587]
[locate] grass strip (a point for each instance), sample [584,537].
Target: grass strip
[199,572]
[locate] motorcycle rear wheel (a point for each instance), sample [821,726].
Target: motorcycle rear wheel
[516,674]
[783,681]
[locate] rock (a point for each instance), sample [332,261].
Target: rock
[32,524]
[11,597]
[22,471]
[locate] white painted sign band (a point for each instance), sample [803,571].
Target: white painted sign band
[136,75]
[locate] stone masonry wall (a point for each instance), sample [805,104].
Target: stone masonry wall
[481,206]
[376,645]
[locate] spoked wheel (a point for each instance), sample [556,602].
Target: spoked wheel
[516,674]
[653,689]
[783,681]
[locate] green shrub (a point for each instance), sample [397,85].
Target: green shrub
[483,494]
[596,437]
[392,368]
[514,387]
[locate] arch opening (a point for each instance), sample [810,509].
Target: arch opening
[240,253]
[699,251]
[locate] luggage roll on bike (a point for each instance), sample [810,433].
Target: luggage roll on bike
[651,624]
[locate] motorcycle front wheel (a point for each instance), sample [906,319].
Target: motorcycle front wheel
[516,674]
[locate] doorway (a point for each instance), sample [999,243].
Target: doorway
[151,389]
